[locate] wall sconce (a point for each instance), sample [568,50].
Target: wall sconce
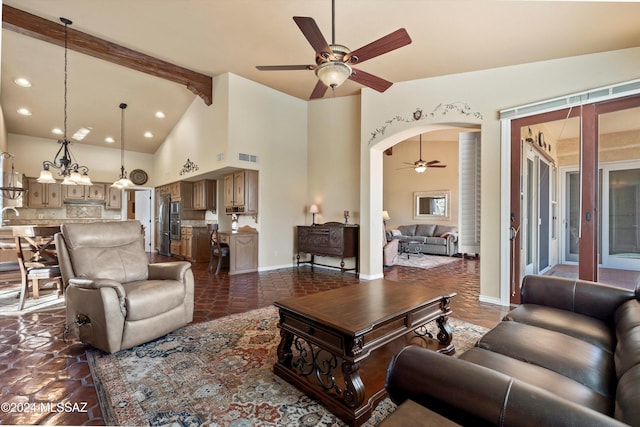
[314,209]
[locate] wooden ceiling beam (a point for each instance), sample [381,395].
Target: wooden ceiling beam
[34,26]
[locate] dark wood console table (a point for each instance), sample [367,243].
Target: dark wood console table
[331,239]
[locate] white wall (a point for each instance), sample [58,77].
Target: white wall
[401,181]
[486,92]
[248,118]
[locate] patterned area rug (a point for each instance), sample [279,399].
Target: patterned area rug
[425,261]
[217,373]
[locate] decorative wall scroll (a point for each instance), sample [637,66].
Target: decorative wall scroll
[189,167]
[442,109]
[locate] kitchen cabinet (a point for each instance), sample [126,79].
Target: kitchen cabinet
[43,195]
[182,191]
[176,248]
[241,192]
[194,244]
[243,251]
[204,195]
[114,198]
[87,193]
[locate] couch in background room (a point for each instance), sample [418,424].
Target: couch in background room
[569,355]
[430,238]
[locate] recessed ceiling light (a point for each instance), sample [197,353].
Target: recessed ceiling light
[81,133]
[57,131]
[109,139]
[148,135]
[160,115]
[24,111]
[21,81]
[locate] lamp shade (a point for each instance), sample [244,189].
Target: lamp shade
[314,209]
[333,73]
[421,168]
[385,216]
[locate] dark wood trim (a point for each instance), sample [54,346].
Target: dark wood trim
[34,26]
[516,191]
[588,240]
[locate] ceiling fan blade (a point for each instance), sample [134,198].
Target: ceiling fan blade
[385,44]
[436,166]
[311,31]
[318,91]
[433,162]
[370,80]
[285,67]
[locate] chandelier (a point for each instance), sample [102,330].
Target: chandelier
[123,181]
[10,191]
[64,161]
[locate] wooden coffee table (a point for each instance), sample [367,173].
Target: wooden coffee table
[336,345]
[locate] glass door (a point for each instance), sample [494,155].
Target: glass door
[619,156]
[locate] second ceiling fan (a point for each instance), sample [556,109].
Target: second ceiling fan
[421,165]
[334,62]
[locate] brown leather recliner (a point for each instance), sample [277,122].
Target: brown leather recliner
[115,298]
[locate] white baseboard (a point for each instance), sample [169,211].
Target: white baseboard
[491,300]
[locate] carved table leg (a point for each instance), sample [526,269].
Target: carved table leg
[354,393]
[284,348]
[445,335]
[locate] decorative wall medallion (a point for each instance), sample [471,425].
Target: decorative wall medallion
[442,109]
[138,176]
[189,167]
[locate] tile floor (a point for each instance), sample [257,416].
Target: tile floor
[37,366]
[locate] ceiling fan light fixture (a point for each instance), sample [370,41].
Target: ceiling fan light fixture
[421,168]
[333,73]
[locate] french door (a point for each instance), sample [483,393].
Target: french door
[599,217]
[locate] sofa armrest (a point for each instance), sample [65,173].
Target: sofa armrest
[173,270]
[580,296]
[103,283]
[471,394]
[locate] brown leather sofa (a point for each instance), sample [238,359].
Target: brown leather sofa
[569,355]
[115,298]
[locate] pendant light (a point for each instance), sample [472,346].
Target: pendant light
[123,181]
[64,161]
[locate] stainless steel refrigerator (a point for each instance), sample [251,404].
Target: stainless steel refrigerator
[164,242]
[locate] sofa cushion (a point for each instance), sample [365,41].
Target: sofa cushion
[541,377]
[435,241]
[571,357]
[627,317]
[627,397]
[425,230]
[442,229]
[576,325]
[408,230]
[113,250]
[628,331]
[149,298]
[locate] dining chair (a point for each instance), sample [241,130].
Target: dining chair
[38,263]
[218,250]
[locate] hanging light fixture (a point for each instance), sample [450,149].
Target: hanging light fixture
[10,191]
[64,162]
[421,165]
[123,181]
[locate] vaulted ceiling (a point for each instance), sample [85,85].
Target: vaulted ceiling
[218,36]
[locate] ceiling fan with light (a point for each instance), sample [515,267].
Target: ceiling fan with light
[421,165]
[334,62]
